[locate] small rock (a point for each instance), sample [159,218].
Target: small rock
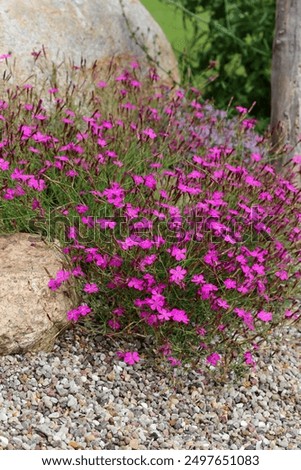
[134,444]
[72,402]
[4,441]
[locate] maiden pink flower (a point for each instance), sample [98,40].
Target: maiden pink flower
[131,357]
[179,316]
[249,360]
[114,324]
[230,283]
[177,274]
[91,288]
[177,253]
[150,133]
[265,316]
[213,359]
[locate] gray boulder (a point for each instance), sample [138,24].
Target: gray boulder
[31,314]
[73,30]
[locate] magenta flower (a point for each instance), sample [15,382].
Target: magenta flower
[156,302]
[177,274]
[265,316]
[77,271]
[4,165]
[101,84]
[164,314]
[213,359]
[198,279]
[177,253]
[230,284]
[222,303]
[259,269]
[206,290]
[136,283]
[115,195]
[81,209]
[249,360]
[282,275]
[252,181]
[114,324]
[179,316]
[82,310]
[150,133]
[91,288]
[72,233]
[131,357]
[173,361]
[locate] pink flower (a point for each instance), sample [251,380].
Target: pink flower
[177,274]
[156,302]
[115,195]
[282,275]
[179,316]
[207,289]
[114,324]
[241,109]
[164,314]
[131,357]
[213,359]
[177,253]
[265,316]
[136,283]
[91,288]
[252,181]
[150,133]
[259,269]
[211,258]
[173,361]
[4,164]
[296,159]
[249,358]
[222,303]
[81,209]
[77,271]
[72,233]
[230,284]
[198,279]
[82,310]
[101,84]
[201,331]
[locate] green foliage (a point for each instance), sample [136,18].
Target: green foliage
[235,59]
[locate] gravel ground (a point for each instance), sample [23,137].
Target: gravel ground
[81,397]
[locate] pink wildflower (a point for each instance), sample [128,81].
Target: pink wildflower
[177,274]
[198,279]
[131,357]
[213,359]
[282,275]
[114,324]
[230,284]
[150,133]
[249,359]
[179,316]
[91,288]
[177,253]
[265,316]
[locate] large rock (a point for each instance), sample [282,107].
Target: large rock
[31,315]
[72,30]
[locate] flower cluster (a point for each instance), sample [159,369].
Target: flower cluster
[173,215]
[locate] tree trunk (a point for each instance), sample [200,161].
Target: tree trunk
[286,78]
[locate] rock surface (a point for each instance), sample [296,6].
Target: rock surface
[73,30]
[31,315]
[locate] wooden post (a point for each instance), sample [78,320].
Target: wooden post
[286,77]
